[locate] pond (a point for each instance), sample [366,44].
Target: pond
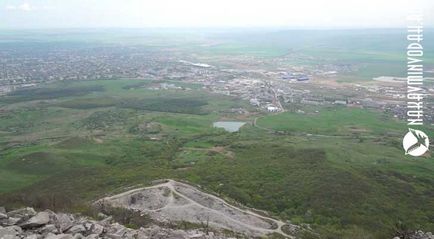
[230,126]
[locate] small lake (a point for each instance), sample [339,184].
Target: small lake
[230,126]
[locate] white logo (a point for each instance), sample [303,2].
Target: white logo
[415,142]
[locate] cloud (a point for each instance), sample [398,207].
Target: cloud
[25,7]
[11,7]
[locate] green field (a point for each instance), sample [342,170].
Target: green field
[369,52]
[334,121]
[341,170]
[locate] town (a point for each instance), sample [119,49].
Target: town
[271,85]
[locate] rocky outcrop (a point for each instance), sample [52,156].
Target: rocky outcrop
[419,235]
[26,223]
[422,235]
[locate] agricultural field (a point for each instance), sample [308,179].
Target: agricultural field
[370,52]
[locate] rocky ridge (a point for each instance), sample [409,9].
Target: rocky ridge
[26,223]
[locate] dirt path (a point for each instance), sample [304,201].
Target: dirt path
[265,231]
[185,202]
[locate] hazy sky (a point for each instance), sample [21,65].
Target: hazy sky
[209,13]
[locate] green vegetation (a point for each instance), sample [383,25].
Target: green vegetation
[333,121]
[49,93]
[341,170]
[88,103]
[103,119]
[162,104]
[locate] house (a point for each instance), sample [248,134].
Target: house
[272,109]
[302,78]
[255,102]
[340,102]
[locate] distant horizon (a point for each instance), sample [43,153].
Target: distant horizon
[210,28]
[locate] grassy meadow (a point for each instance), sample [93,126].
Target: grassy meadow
[341,170]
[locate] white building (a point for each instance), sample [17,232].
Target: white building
[272,109]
